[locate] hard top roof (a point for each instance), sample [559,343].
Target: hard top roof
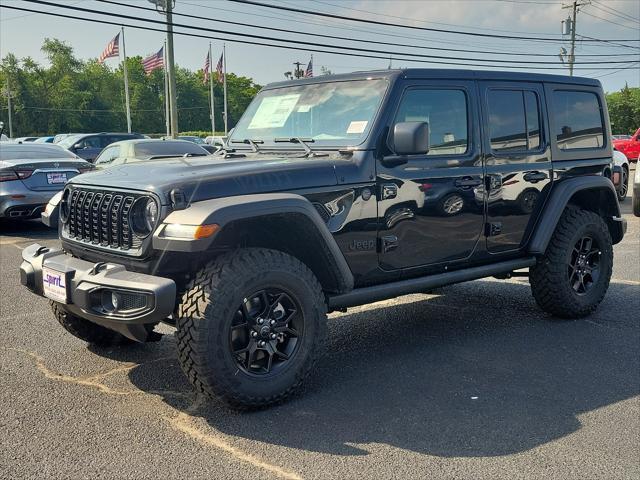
[443,73]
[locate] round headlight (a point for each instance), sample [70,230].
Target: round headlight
[143,216]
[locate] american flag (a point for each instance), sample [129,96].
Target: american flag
[219,69]
[153,62]
[205,70]
[112,50]
[309,71]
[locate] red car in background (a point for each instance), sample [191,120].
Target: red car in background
[630,146]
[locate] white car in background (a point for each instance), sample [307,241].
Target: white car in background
[620,160]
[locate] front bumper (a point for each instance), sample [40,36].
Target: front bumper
[143,298]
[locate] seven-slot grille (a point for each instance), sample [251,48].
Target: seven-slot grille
[101,218]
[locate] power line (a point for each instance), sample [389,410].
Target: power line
[608,21]
[342,27]
[388,24]
[436,59]
[334,37]
[612,11]
[421,21]
[287,47]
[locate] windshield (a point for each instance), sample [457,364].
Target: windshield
[333,113]
[69,141]
[167,147]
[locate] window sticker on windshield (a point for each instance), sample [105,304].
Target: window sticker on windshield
[357,127]
[304,108]
[273,112]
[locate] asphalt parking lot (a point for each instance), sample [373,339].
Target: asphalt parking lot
[474,382]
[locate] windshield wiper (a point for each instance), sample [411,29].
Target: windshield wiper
[249,141]
[300,140]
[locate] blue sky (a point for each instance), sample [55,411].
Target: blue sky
[22,33]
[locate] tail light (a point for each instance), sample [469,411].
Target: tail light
[9,175]
[22,174]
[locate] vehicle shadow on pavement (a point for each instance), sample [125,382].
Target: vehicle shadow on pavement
[479,371]
[28,229]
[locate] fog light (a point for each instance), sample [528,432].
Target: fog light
[111,301]
[115,301]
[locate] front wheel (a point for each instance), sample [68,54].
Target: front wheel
[250,327]
[572,278]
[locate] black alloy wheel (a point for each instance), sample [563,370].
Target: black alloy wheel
[584,266]
[265,332]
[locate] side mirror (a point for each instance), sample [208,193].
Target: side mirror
[411,138]
[77,146]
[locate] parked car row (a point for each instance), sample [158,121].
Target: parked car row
[32,172]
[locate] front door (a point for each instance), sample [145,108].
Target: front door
[517,160]
[431,209]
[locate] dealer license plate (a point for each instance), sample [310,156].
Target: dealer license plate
[54,285]
[54,178]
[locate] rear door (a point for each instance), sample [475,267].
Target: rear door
[517,161]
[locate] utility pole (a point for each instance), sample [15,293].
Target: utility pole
[571,24]
[298,71]
[9,111]
[126,82]
[166,7]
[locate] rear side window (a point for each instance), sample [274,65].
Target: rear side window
[446,113]
[514,121]
[578,120]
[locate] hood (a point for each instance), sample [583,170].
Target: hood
[203,178]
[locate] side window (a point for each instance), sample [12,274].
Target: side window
[514,120]
[108,155]
[578,120]
[91,142]
[446,112]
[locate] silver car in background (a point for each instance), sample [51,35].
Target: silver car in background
[30,174]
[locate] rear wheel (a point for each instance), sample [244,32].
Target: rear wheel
[624,185]
[250,327]
[572,278]
[86,330]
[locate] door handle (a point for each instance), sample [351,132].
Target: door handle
[468,182]
[534,177]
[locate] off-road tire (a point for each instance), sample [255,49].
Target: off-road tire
[86,330]
[207,310]
[550,278]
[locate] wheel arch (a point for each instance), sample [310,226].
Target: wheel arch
[283,221]
[593,193]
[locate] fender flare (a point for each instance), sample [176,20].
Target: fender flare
[561,194]
[224,211]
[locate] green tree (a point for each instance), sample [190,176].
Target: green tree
[624,110]
[71,95]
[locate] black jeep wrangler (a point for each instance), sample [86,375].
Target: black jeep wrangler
[334,192]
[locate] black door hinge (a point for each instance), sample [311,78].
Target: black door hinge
[492,229]
[388,243]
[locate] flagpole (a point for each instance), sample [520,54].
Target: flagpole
[213,111]
[126,82]
[224,66]
[167,113]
